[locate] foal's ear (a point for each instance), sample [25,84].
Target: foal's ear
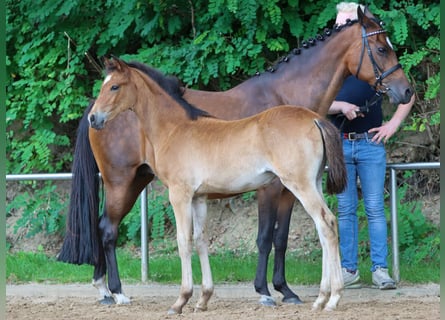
[114,64]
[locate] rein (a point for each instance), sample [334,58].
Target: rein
[379,73]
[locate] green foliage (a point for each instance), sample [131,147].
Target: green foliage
[414,28]
[210,45]
[161,218]
[419,239]
[249,196]
[43,211]
[53,66]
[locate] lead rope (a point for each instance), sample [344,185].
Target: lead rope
[362,109]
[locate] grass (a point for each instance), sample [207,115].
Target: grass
[227,267]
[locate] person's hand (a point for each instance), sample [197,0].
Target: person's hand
[351,111]
[384,132]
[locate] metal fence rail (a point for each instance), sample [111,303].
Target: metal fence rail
[392,167]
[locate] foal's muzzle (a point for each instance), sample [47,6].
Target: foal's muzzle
[97,120]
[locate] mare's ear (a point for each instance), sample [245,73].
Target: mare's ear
[362,17]
[360,14]
[366,18]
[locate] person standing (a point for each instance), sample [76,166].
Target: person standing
[364,135]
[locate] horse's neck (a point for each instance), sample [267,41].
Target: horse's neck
[157,112]
[311,79]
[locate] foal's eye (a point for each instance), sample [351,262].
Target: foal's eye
[114,87]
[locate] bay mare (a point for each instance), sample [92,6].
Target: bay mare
[195,155]
[309,76]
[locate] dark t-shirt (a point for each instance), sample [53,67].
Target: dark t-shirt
[358,92]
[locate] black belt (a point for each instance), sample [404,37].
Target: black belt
[356,136]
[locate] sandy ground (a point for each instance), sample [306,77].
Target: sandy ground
[151,301]
[230,231]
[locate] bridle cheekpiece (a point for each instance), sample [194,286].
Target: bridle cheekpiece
[379,73]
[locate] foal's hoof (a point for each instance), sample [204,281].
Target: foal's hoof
[172,311]
[107,300]
[292,300]
[267,301]
[200,309]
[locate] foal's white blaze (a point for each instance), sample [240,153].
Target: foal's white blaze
[107,78]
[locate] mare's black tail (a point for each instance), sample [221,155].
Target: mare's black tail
[81,243]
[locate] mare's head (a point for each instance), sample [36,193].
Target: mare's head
[117,94]
[376,62]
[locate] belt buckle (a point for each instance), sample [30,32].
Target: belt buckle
[350,138]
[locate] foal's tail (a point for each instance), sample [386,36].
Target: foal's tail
[81,243]
[336,182]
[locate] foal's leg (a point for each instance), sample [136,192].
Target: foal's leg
[281,235]
[200,238]
[182,207]
[331,285]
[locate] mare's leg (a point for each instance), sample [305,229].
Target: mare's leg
[281,235]
[182,207]
[200,239]
[121,195]
[267,216]
[331,285]
[108,229]
[99,279]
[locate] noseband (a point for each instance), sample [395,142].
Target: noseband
[379,73]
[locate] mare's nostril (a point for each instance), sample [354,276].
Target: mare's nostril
[92,118]
[408,93]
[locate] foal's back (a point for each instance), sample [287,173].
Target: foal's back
[242,155]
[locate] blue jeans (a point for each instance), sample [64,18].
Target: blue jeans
[365,160]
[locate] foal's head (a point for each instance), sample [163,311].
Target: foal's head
[377,62]
[125,83]
[118,93]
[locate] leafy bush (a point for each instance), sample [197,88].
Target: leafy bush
[43,210]
[419,239]
[53,68]
[161,218]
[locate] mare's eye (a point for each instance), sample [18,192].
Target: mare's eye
[382,50]
[114,87]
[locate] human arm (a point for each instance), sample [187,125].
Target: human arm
[349,110]
[387,130]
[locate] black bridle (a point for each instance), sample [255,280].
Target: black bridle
[379,73]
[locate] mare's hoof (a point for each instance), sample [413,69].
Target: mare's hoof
[292,300]
[267,301]
[107,301]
